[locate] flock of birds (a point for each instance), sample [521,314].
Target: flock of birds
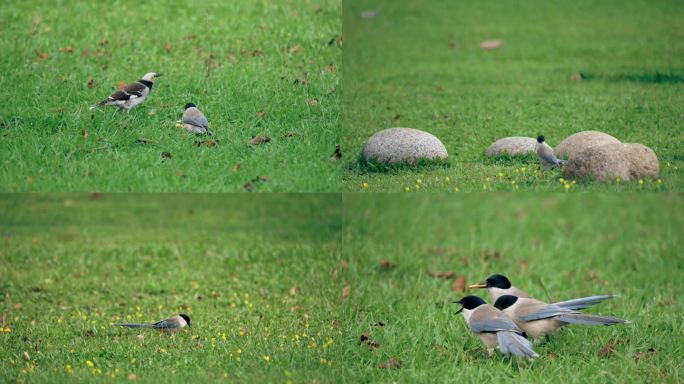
[508,324]
[136,93]
[515,316]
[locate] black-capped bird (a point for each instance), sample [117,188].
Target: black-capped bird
[132,94]
[494,328]
[539,319]
[499,285]
[170,325]
[194,121]
[546,155]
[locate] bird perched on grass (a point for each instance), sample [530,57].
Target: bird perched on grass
[539,319]
[194,121]
[494,328]
[170,325]
[132,94]
[546,155]
[499,285]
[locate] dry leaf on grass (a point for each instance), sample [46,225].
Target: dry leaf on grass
[344,264]
[610,347]
[91,82]
[386,264]
[67,50]
[345,292]
[288,134]
[391,363]
[260,114]
[236,168]
[40,55]
[84,133]
[312,101]
[167,46]
[259,139]
[459,284]
[490,45]
[294,49]
[442,274]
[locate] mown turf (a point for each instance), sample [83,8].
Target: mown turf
[257,277]
[253,67]
[418,64]
[555,247]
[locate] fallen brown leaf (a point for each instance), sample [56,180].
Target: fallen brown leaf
[26,356]
[261,114]
[386,264]
[609,348]
[293,291]
[294,49]
[67,49]
[442,274]
[576,76]
[167,46]
[236,168]
[259,139]
[95,195]
[440,348]
[84,133]
[332,68]
[257,53]
[391,363]
[104,42]
[131,377]
[91,82]
[17,305]
[40,55]
[459,284]
[288,134]
[189,37]
[85,52]
[232,58]
[312,101]
[489,45]
[345,292]
[331,91]
[344,264]
[523,265]
[648,354]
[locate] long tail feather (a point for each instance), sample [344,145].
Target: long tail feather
[583,302]
[511,342]
[581,318]
[134,325]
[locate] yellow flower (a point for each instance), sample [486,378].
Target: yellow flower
[641,181]
[456,189]
[239,350]
[660,181]
[500,174]
[618,179]
[90,363]
[267,358]
[566,186]
[419,181]
[365,185]
[407,189]
[7,330]
[447,179]
[561,180]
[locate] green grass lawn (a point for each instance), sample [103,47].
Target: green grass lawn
[561,246]
[419,65]
[253,67]
[257,280]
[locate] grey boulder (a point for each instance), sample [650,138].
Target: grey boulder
[403,145]
[580,141]
[512,146]
[607,162]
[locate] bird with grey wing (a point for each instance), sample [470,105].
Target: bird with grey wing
[539,319]
[170,325]
[194,121]
[132,94]
[494,328]
[499,285]
[546,155]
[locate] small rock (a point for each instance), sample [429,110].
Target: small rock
[607,162]
[513,146]
[490,45]
[403,145]
[580,141]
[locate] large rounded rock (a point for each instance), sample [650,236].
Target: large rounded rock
[580,141]
[403,145]
[512,146]
[606,162]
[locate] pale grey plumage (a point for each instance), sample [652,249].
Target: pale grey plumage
[172,324]
[546,155]
[583,302]
[485,320]
[194,121]
[537,318]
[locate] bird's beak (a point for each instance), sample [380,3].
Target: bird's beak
[480,285]
[458,302]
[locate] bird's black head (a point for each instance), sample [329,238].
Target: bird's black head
[190,105]
[540,139]
[498,281]
[186,318]
[505,301]
[469,302]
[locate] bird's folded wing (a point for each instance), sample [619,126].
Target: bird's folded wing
[165,324]
[490,319]
[196,118]
[542,312]
[132,90]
